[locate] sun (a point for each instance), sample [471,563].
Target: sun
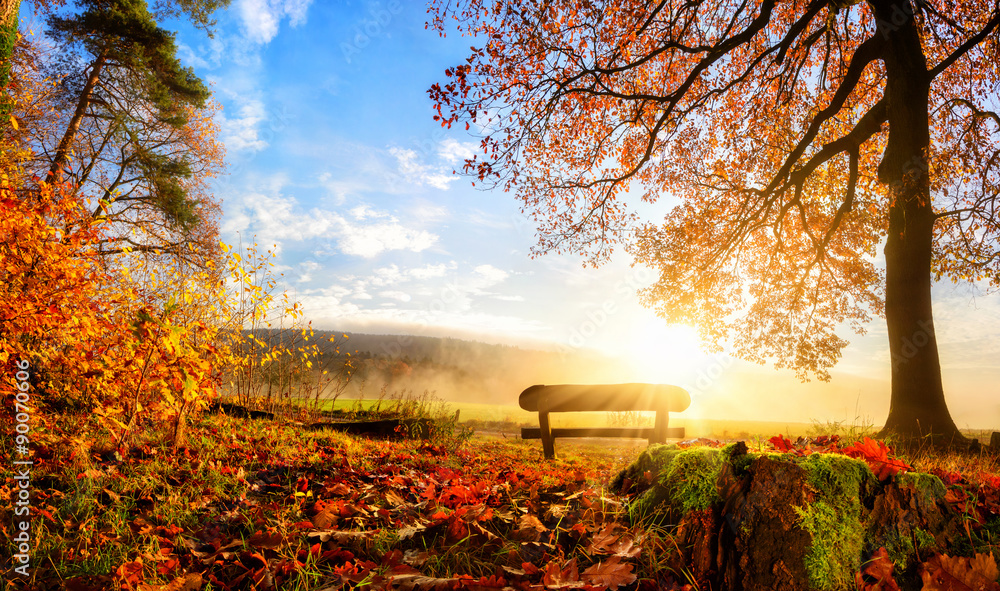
[659,353]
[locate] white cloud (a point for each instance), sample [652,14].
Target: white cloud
[479,217]
[364,211]
[240,133]
[491,274]
[306,269]
[426,211]
[386,276]
[395,295]
[431,271]
[357,170]
[274,218]
[261,18]
[419,173]
[454,151]
[392,319]
[207,56]
[369,241]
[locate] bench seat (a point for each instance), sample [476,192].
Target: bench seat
[659,398]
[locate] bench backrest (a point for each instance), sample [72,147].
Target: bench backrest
[607,397]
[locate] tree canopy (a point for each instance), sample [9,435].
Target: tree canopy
[792,140]
[139,126]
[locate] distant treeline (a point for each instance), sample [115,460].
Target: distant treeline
[454,369]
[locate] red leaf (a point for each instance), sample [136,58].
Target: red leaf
[781,443]
[876,455]
[876,575]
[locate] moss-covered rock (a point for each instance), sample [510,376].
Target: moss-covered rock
[652,460]
[911,519]
[833,518]
[777,521]
[674,481]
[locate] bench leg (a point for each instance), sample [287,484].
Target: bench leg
[548,444]
[659,434]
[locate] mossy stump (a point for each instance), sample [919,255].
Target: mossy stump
[770,521]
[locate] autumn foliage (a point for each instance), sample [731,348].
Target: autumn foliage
[128,310]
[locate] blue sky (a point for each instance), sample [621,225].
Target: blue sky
[334,157]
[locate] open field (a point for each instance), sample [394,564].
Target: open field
[491,414]
[509,419]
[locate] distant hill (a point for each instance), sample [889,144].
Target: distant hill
[461,370]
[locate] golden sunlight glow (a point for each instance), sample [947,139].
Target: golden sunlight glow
[663,354]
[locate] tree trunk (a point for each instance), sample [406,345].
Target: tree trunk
[917,406]
[66,143]
[8,38]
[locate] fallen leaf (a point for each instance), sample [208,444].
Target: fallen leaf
[89,583]
[781,443]
[561,575]
[189,582]
[262,540]
[343,538]
[416,558]
[422,583]
[959,573]
[614,539]
[207,553]
[406,533]
[394,499]
[340,490]
[327,518]
[612,573]
[876,574]
[529,529]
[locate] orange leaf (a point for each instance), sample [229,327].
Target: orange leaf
[876,575]
[944,573]
[612,573]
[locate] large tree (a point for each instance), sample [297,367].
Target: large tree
[137,132]
[792,139]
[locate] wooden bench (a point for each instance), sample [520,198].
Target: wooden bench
[609,398]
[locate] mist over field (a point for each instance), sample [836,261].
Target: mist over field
[458,370]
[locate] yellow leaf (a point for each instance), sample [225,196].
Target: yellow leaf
[13,122]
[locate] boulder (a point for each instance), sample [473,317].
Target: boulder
[777,521]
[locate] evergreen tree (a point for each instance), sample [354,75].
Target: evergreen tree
[138,122]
